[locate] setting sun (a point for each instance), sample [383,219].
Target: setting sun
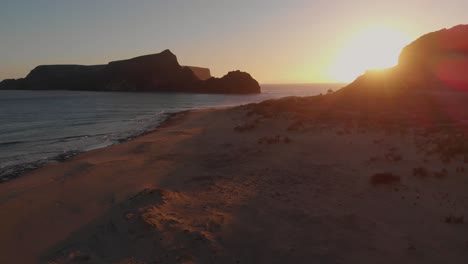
[371,48]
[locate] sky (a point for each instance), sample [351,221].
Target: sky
[277,41]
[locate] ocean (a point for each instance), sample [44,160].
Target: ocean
[37,127]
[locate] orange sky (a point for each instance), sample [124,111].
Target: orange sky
[295,41]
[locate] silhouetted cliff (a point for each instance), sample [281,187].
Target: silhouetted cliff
[150,73]
[430,80]
[436,61]
[429,83]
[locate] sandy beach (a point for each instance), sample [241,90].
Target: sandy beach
[232,186]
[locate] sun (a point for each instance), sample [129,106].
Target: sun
[370,48]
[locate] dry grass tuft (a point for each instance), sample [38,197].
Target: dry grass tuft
[274,140]
[244,127]
[451,219]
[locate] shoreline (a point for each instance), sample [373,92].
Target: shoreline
[9,173]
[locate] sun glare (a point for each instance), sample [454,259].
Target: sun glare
[371,48]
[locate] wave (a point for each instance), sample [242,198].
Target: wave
[13,171]
[10,172]
[10,143]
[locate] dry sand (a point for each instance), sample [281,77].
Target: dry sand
[218,186]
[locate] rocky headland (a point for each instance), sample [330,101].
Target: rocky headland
[150,73]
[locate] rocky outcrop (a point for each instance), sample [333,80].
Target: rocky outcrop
[429,86]
[157,72]
[12,84]
[233,82]
[150,73]
[437,61]
[430,80]
[63,77]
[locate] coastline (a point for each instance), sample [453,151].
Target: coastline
[213,185]
[12,172]
[11,169]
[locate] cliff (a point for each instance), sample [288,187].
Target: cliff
[157,72]
[149,73]
[437,61]
[429,70]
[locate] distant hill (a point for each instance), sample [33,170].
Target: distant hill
[436,61]
[150,73]
[430,82]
